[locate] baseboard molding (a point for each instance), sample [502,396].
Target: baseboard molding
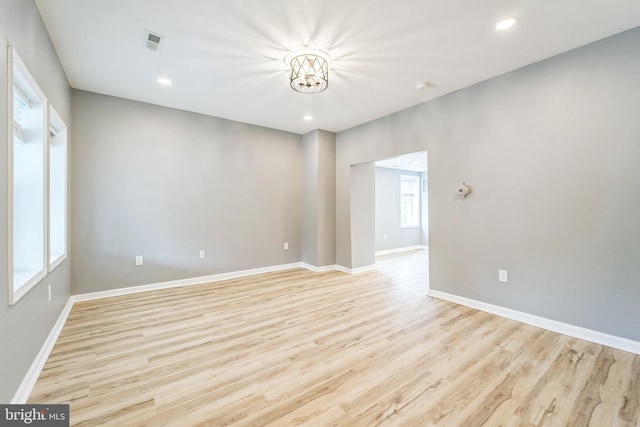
[321,269]
[341,268]
[544,323]
[400,250]
[184,282]
[356,270]
[29,380]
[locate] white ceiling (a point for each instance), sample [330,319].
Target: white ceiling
[225,57]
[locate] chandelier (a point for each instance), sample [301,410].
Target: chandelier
[308,71]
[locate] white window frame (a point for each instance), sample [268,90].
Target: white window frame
[55,257]
[18,72]
[415,215]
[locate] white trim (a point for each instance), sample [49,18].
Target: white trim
[544,323]
[29,380]
[16,294]
[403,249]
[45,187]
[56,262]
[341,268]
[335,267]
[320,269]
[356,270]
[182,282]
[215,278]
[18,74]
[57,123]
[10,132]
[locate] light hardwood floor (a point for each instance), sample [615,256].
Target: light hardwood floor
[324,349]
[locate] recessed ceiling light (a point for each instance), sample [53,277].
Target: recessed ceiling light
[308,118]
[164,81]
[505,24]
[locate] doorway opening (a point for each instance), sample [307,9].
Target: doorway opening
[401,209]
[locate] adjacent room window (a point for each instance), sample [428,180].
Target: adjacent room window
[409,201]
[27,189]
[57,189]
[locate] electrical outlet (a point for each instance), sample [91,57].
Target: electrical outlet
[385,236]
[49,291]
[286,245]
[503,276]
[202,254]
[139,260]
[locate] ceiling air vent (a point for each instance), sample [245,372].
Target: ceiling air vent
[153,41]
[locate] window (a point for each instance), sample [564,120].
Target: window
[57,189]
[27,154]
[409,201]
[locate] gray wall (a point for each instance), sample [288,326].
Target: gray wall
[25,326]
[318,199]
[387,212]
[164,184]
[309,252]
[551,152]
[327,198]
[363,224]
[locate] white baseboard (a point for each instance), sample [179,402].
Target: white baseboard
[320,269]
[399,250]
[341,268]
[183,282]
[544,323]
[29,380]
[356,270]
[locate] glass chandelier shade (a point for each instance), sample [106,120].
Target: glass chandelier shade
[309,72]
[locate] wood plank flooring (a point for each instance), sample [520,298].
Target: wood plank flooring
[327,349]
